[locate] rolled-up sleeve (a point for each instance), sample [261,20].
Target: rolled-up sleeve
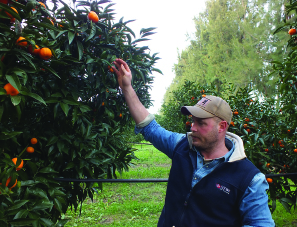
[254,205]
[162,139]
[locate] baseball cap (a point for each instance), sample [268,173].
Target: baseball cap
[209,106]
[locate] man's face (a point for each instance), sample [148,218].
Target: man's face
[205,133]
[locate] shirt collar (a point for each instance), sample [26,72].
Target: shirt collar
[229,145]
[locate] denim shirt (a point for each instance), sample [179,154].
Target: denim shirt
[254,205]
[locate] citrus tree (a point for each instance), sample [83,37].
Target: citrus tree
[268,132]
[62,112]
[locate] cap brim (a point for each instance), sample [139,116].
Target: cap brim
[196,111]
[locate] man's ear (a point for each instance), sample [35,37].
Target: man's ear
[223,126]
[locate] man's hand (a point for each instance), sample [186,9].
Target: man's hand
[137,110]
[123,73]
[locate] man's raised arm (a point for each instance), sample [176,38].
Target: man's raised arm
[137,110]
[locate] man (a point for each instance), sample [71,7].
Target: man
[211,182]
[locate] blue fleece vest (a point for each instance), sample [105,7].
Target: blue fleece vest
[214,201]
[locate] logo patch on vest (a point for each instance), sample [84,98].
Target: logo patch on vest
[203,102]
[223,188]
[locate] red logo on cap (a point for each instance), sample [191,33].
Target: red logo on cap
[203,102]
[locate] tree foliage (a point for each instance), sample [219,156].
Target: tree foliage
[70,102]
[234,42]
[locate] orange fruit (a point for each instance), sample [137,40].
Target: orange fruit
[41,3]
[93,16]
[245,125]
[248,130]
[235,113]
[23,43]
[10,90]
[45,53]
[192,98]
[269,180]
[30,149]
[35,51]
[280,141]
[33,141]
[188,123]
[8,181]
[21,164]
[8,14]
[295,150]
[232,123]
[102,104]
[203,95]
[247,119]
[266,150]
[282,145]
[268,164]
[292,31]
[110,69]
[120,115]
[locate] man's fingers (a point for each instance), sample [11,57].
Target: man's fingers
[123,68]
[115,69]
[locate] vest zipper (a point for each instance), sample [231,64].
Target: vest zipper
[185,205]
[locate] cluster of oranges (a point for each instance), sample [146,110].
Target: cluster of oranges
[31,149]
[44,53]
[20,166]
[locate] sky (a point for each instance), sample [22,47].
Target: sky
[173,21]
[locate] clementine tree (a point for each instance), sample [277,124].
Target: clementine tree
[68,99]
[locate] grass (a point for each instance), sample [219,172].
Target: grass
[140,204]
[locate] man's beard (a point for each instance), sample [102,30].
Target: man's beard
[207,142]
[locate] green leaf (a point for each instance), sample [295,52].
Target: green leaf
[92,33]
[47,170]
[157,70]
[14,81]
[70,165]
[139,40]
[80,49]
[41,193]
[22,222]
[65,108]
[47,222]
[15,100]
[11,11]
[21,214]
[28,183]
[42,206]
[51,70]
[35,96]
[71,36]
[45,25]
[61,33]
[285,205]
[84,108]
[1,111]
[8,135]
[145,30]
[18,204]
[52,140]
